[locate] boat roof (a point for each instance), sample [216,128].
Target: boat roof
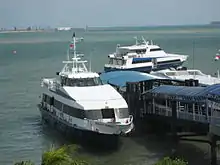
[213,89]
[119,78]
[93,97]
[137,47]
[178,90]
[189,92]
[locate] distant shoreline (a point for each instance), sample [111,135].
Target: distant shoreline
[185,28]
[23,31]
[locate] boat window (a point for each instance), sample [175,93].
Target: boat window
[118,61]
[169,61]
[47,99]
[110,61]
[194,73]
[171,74]
[64,80]
[57,104]
[122,52]
[155,49]
[108,113]
[44,98]
[182,73]
[123,113]
[141,60]
[82,82]
[93,114]
[191,73]
[138,51]
[74,112]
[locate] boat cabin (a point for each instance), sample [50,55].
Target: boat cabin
[136,49]
[117,61]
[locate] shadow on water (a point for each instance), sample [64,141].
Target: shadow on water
[133,150]
[59,138]
[195,153]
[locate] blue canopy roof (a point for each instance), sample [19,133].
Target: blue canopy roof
[187,92]
[213,92]
[213,89]
[119,78]
[178,90]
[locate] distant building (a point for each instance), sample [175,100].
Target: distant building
[63,28]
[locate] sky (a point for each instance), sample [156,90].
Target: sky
[79,13]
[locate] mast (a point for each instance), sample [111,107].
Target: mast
[74,63]
[144,41]
[193,56]
[136,40]
[73,45]
[217,55]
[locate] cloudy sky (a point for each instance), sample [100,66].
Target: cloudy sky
[79,13]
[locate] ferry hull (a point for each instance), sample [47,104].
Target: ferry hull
[84,137]
[147,69]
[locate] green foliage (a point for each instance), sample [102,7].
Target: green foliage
[65,155]
[62,156]
[24,163]
[169,161]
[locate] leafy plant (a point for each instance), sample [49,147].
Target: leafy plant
[62,156]
[169,161]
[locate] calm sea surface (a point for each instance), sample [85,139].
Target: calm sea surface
[39,55]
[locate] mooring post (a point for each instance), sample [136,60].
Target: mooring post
[213,141]
[173,126]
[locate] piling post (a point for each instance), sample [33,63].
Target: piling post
[173,126]
[213,140]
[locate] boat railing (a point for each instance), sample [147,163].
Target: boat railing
[55,85]
[52,84]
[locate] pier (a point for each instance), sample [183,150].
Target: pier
[180,106]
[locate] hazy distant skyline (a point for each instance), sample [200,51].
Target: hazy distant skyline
[57,13]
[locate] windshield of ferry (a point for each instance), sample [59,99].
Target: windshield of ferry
[83,82]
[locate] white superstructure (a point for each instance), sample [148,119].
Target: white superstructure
[186,74]
[144,56]
[80,100]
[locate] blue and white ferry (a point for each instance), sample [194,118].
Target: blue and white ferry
[144,56]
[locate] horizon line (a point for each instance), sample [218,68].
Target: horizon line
[119,26]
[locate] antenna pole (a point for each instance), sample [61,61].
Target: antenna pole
[68,55]
[74,49]
[218,76]
[136,42]
[193,55]
[90,63]
[74,45]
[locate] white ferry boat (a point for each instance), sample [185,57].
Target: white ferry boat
[78,102]
[144,57]
[186,74]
